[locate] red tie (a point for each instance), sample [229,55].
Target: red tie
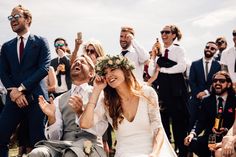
[166,53]
[21,47]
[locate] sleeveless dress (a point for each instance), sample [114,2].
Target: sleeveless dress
[134,139]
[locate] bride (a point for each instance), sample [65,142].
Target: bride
[130,108]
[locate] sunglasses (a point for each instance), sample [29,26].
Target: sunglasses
[90,51]
[59,45]
[234,33]
[220,42]
[220,80]
[14,17]
[166,32]
[211,48]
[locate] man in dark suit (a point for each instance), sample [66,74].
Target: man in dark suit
[24,63]
[200,79]
[221,100]
[61,65]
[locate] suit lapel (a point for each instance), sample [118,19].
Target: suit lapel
[202,72]
[15,54]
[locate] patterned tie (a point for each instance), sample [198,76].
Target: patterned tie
[123,53]
[21,48]
[220,104]
[206,69]
[166,53]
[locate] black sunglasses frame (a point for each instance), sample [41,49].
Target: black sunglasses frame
[220,80]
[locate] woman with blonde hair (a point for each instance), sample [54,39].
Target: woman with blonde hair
[94,49]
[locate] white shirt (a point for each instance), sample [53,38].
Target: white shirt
[177,54]
[2,88]
[25,39]
[63,87]
[138,56]
[55,131]
[228,58]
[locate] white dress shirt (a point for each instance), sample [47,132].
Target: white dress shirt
[138,56]
[55,131]
[228,58]
[177,54]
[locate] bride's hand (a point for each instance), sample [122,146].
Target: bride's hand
[99,82]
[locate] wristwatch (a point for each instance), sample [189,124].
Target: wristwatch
[20,88]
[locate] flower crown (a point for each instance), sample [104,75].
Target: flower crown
[115,62]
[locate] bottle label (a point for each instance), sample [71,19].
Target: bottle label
[217,123]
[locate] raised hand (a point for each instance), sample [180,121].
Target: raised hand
[99,83]
[76,103]
[48,109]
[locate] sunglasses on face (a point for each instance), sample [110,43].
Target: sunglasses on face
[220,80]
[220,42]
[234,33]
[210,48]
[90,51]
[166,32]
[14,17]
[59,45]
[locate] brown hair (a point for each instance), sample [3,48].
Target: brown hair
[127,29]
[112,99]
[66,44]
[26,13]
[175,30]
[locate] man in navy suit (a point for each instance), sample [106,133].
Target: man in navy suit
[200,79]
[221,100]
[24,63]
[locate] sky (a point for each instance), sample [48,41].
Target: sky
[200,21]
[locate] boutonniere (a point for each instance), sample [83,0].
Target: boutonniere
[230,110]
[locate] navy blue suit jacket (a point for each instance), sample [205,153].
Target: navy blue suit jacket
[31,70]
[197,80]
[208,113]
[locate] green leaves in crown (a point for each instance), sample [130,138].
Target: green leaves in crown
[113,62]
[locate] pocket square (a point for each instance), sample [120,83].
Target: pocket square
[230,110]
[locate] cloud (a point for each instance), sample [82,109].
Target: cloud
[218,17]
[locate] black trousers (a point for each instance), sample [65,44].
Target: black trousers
[199,146]
[177,112]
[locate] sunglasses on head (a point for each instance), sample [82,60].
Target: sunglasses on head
[220,80]
[211,48]
[59,45]
[234,33]
[90,51]
[14,17]
[166,32]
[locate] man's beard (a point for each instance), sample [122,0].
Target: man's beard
[219,92]
[208,55]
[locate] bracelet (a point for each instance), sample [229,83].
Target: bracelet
[92,103]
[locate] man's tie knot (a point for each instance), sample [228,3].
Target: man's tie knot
[124,52]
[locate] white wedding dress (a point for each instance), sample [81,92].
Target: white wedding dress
[134,139]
